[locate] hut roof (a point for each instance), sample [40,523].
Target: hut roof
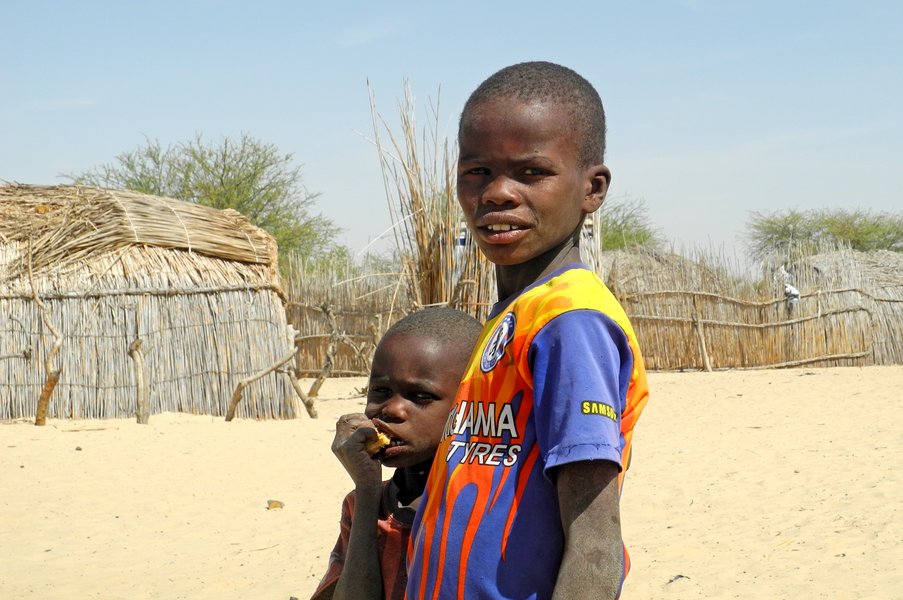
[66,222]
[880,270]
[645,269]
[64,241]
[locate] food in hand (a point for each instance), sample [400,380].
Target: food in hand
[381,441]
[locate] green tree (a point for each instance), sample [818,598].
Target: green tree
[246,175]
[625,224]
[792,231]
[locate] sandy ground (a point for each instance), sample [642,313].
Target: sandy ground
[764,484]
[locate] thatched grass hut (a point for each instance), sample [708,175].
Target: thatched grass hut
[118,291]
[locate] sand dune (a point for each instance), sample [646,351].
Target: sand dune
[765,484]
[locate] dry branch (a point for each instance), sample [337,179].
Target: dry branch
[807,361]
[741,325]
[697,323]
[236,395]
[294,374]
[305,399]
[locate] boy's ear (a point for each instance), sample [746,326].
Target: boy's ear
[598,179]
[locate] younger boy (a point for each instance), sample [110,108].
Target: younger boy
[413,379]
[522,499]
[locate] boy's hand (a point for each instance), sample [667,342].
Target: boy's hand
[353,432]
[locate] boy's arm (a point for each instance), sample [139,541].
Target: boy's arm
[592,565]
[361,576]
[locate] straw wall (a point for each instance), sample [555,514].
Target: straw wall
[204,323]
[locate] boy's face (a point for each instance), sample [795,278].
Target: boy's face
[413,381]
[521,184]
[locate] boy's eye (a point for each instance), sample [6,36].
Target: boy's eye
[381,394]
[533,171]
[423,397]
[378,392]
[475,171]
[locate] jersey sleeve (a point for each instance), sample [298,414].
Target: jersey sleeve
[337,556]
[579,360]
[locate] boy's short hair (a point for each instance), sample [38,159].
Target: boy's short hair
[550,83]
[450,326]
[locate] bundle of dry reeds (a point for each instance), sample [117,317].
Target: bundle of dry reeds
[65,224]
[441,264]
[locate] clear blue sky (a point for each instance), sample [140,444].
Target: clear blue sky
[715,108]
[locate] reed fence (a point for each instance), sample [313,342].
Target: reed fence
[339,317]
[688,313]
[694,314]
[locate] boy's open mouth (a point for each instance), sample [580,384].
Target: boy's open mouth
[394,440]
[387,452]
[502,233]
[503,227]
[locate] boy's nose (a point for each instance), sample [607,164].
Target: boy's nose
[499,190]
[394,409]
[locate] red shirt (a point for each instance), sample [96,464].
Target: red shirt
[394,531]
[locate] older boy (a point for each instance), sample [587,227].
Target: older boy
[522,499]
[415,372]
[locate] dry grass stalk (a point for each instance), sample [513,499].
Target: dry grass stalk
[442,266]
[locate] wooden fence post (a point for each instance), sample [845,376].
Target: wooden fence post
[294,374]
[700,334]
[142,398]
[53,375]
[331,350]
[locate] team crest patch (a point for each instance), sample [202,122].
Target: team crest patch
[495,347]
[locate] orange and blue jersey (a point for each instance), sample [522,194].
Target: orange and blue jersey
[557,377]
